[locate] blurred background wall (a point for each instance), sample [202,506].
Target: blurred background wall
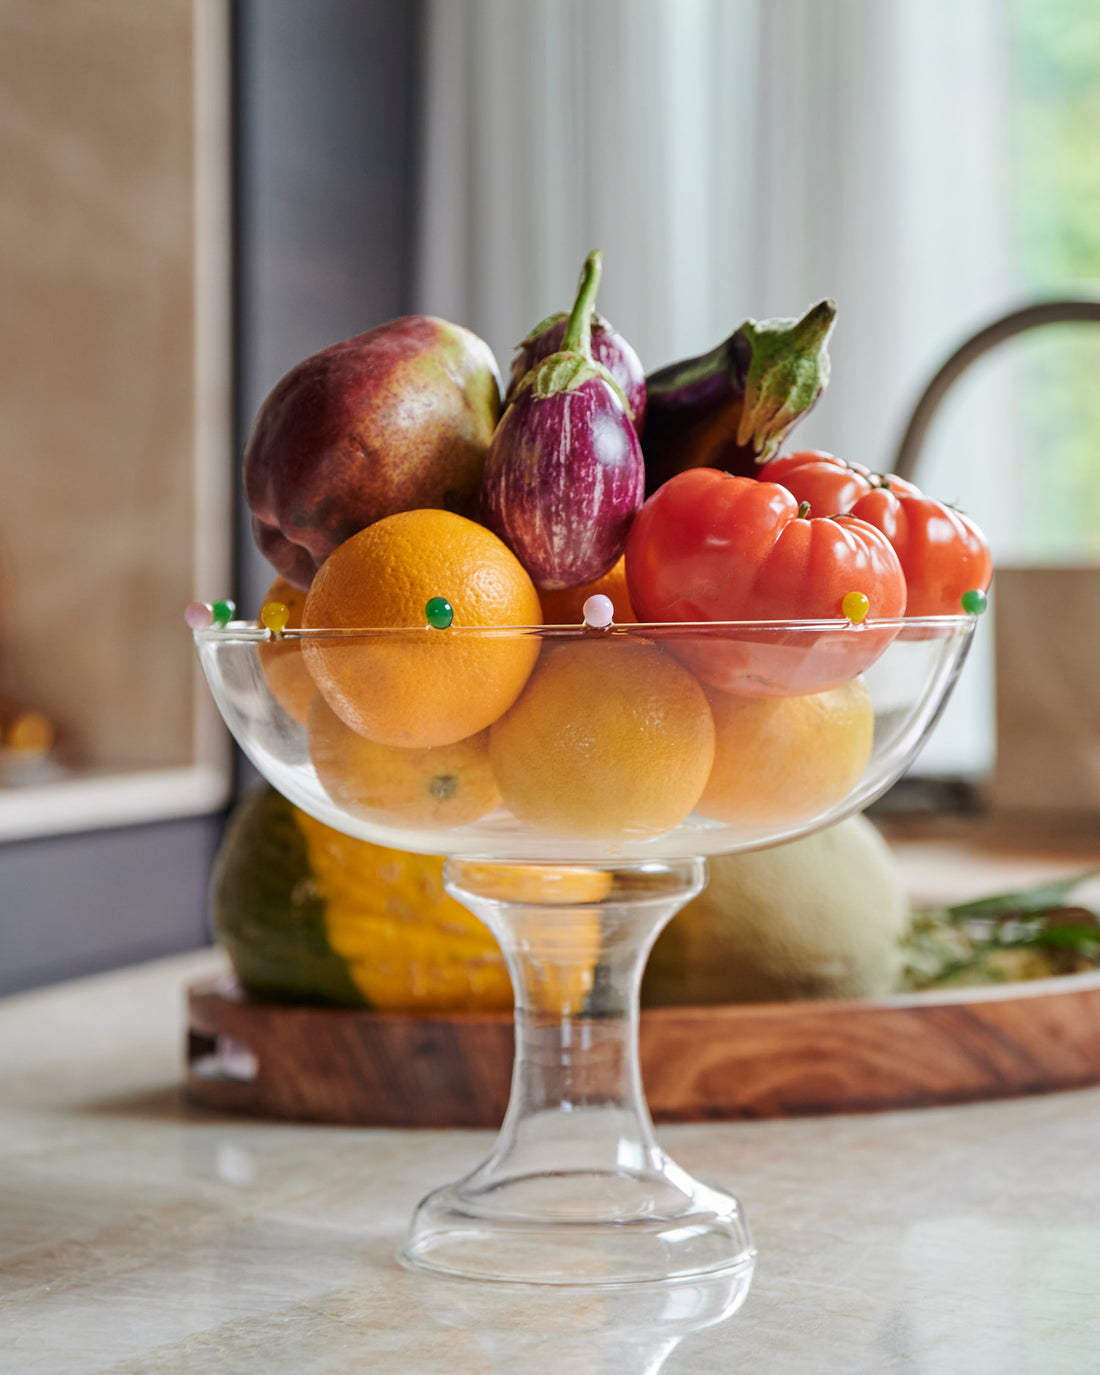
[928,164]
[328,99]
[324,173]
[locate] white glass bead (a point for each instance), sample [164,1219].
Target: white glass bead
[599,611]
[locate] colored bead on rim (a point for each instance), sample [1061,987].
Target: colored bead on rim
[855,606]
[275,616]
[199,615]
[440,613]
[974,602]
[599,611]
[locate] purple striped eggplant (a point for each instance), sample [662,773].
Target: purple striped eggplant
[564,476]
[608,347]
[731,408]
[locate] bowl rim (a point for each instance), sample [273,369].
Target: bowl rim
[244,632]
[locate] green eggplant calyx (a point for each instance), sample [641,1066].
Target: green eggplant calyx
[541,328]
[788,372]
[598,322]
[566,371]
[573,364]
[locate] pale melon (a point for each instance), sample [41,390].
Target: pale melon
[821,917]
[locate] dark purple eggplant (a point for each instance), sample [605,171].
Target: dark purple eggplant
[608,347]
[565,476]
[731,408]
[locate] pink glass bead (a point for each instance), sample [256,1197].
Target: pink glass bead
[599,611]
[199,615]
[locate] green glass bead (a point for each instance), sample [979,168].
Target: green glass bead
[440,613]
[974,602]
[224,611]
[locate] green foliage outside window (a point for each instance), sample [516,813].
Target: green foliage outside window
[1056,207]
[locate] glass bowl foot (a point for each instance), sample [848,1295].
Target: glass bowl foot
[587,1227]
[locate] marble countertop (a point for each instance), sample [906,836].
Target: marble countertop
[139,1235]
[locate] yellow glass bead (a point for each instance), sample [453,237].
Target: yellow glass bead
[855,606]
[275,616]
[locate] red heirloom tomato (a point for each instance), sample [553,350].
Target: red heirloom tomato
[711,547]
[943,552]
[828,483]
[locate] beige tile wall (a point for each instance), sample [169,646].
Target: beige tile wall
[96,373]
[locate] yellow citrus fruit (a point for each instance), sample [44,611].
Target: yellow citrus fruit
[567,607]
[425,789]
[611,738]
[429,687]
[786,759]
[281,660]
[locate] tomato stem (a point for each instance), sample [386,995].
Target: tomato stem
[803,510]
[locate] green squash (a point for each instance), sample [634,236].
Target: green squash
[307,914]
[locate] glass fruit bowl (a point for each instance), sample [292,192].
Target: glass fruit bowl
[576,779]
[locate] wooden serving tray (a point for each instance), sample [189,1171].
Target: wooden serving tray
[389,1069]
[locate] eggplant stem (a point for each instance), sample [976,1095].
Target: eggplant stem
[578,332]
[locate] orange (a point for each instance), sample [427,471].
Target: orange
[611,738]
[281,660]
[567,607]
[425,789]
[427,687]
[786,759]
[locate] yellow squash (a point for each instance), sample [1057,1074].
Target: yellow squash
[307,914]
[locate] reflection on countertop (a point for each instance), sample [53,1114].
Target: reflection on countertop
[138,1235]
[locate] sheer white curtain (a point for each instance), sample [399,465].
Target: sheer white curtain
[554,126]
[734,158]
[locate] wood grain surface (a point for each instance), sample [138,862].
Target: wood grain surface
[744,1061]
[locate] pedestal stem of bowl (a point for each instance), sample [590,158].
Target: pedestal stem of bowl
[577,1189]
[577,971]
